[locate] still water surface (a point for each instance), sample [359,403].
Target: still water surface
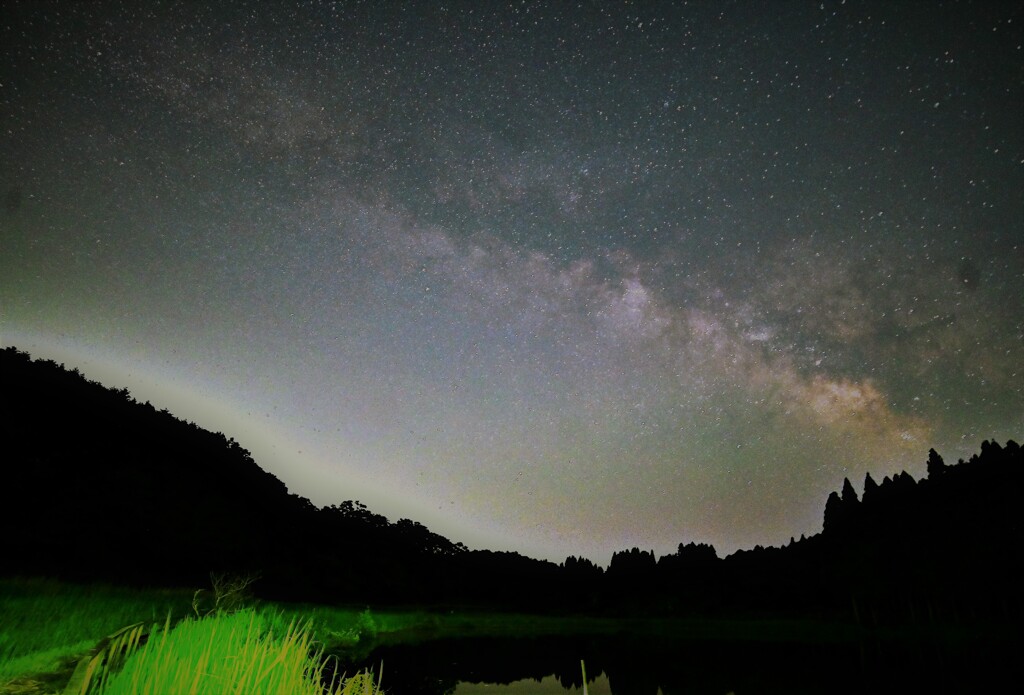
[644,665]
[530,686]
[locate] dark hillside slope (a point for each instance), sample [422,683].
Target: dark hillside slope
[97,486]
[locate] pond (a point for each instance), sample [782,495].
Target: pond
[642,665]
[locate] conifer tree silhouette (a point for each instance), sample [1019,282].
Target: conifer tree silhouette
[936,466]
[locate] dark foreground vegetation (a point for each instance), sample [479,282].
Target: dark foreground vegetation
[98,487]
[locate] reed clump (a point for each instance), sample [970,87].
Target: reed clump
[245,653]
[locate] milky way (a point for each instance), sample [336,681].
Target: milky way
[557,278]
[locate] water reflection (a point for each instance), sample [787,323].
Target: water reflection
[641,665]
[547,686]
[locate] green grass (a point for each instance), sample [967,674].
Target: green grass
[46,628]
[44,625]
[247,653]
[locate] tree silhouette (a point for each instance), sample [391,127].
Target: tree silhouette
[833,512]
[936,466]
[840,508]
[870,489]
[849,495]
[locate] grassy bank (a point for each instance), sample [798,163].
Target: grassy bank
[249,652]
[45,626]
[52,634]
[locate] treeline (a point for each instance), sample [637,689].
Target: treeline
[944,548]
[96,486]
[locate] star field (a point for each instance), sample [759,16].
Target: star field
[557,278]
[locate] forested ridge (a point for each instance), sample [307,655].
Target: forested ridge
[96,486]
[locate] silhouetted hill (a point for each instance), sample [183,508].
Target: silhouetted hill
[95,486]
[98,486]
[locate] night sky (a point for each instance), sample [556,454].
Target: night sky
[557,278]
